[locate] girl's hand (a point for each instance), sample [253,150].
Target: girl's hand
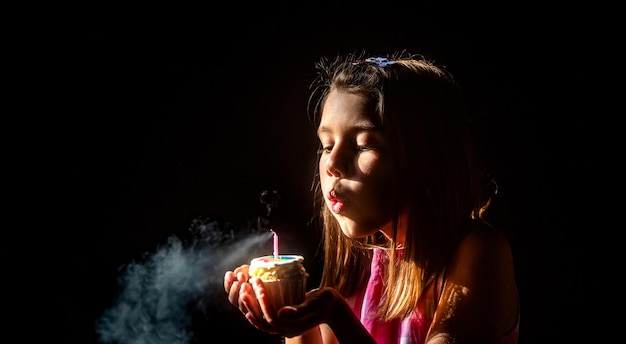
[239,291]
[320,306]
[291,321]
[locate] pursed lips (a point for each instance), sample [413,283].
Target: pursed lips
[336,203]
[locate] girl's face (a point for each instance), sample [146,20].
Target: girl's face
[354,165]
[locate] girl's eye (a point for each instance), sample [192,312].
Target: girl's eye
[323,150]
[360,148]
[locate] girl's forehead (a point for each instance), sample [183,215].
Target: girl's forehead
[349,103]
[345,119]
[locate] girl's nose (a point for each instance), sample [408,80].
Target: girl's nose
[336,162]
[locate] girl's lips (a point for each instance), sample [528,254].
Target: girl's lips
[336,204]
[336,207]
[332,195]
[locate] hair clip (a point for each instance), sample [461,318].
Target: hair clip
[380,61]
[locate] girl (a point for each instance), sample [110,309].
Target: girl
[408,257]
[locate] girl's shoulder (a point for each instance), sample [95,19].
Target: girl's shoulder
[483,255]
[480,285]
[483,238]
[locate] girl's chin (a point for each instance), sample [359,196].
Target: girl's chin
[353,232]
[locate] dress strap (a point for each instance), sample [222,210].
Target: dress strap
[441,281]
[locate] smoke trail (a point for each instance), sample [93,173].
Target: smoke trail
[271,199]
[159,295]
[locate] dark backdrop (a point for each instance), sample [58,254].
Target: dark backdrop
[162,125]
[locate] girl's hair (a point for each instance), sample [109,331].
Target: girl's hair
[437,181]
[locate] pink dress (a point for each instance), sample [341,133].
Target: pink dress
[411,330]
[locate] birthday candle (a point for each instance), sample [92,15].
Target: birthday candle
[275,244]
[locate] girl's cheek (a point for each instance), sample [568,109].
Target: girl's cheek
[323,185]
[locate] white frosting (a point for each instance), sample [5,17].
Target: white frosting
[271,268]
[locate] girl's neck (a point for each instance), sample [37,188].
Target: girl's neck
[402,228]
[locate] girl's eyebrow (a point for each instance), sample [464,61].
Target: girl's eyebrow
[361,127]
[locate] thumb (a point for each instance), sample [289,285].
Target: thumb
[287,313]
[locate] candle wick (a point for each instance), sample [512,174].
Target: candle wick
[275,243]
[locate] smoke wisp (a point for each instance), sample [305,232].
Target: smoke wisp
[160,295]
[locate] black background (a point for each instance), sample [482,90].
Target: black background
[149,118]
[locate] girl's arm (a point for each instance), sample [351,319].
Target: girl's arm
[312,336]
[479,301]
[340,324]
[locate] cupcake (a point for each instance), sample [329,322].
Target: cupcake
[284,278]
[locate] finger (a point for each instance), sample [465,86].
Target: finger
[229,278]
[243,269]
[260,323]
[249,302]
[241,277]
[252,305]
[233,293]
[247,298]
[266,306]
